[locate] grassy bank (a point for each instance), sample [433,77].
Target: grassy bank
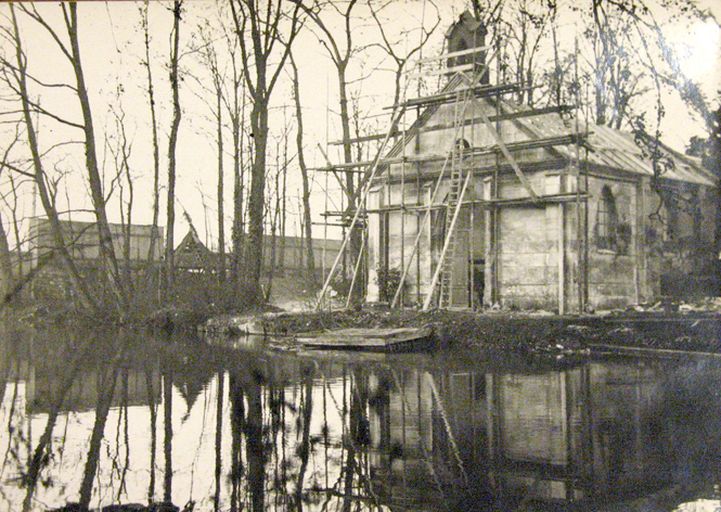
[518,332]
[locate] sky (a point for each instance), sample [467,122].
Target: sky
[111,47]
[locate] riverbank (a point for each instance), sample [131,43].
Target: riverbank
[518,332]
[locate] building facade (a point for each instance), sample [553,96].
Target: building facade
[576,218]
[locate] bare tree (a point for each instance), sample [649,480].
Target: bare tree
[121,150]
[210,60]
[262,24]
[390,47]
[341,49]
[154,130]
[18,82]
[234,101]
[172,143]
[307,219]
[6,266]
[71,51]
[526,29]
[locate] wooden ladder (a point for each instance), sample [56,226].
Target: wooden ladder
[458,185]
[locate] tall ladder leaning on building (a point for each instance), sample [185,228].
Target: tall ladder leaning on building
[459,180]
[464,97]
[454,202]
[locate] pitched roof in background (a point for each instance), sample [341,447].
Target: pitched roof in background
[192,253]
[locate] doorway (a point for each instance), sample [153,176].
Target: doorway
[476,282]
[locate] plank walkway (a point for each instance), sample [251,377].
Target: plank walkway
[383,340]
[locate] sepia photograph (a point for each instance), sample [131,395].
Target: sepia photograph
[360,256]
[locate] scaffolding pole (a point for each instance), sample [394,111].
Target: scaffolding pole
[449,235]
[363,197]
[431,200]
[355,270]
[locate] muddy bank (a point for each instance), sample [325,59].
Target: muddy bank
[524,333]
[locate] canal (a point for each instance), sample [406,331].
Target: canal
[108,418]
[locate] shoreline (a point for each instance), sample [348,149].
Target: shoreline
[529,333]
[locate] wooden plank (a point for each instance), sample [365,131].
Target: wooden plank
[623,349]
[450,96]
[450,55]
[522,145]
[363,338]
[444,71]
[506,116]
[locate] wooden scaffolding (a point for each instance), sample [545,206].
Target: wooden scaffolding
[467,85]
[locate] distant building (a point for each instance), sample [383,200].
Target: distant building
[82,241]
[193,255]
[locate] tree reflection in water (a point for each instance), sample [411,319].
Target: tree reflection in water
[320,432]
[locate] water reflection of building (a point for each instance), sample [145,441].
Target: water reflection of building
[578,434]
[133,387]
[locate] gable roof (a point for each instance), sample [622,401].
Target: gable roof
[192,253]
[608,147]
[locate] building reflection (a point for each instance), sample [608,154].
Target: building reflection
[584,434]
[361,432]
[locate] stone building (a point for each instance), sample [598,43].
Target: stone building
[533,209]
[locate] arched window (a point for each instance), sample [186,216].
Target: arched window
[607,223]
[463,144]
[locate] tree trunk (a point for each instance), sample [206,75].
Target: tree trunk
[221,212]
[105,237]
[283,213]
[353,202]
[238,189]
[156,151]
[307,220]
[6,266]
[172,142]
[254,259]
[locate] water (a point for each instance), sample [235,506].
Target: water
[133,419]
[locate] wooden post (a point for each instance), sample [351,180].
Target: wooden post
[561,265]
[488,242]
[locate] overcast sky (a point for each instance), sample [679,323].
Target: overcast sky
[111,46]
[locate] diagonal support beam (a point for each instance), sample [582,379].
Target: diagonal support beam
[366,186]
[507,154]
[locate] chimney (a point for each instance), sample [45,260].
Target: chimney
[466,33]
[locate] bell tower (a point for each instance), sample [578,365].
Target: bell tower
[466,33]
